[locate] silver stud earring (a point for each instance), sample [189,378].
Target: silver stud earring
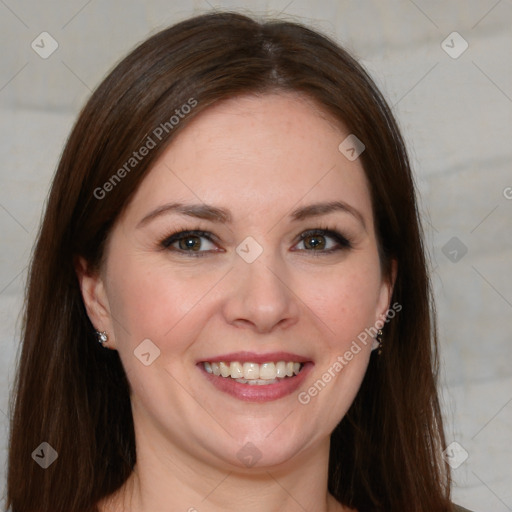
[102,337]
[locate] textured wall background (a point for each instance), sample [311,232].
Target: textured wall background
[455,108]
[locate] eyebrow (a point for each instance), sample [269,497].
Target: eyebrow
[317,209]
[220,215]
[199,211]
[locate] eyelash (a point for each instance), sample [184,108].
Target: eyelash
[343,242]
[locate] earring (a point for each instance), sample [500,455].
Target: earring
[378,342]
[102,337]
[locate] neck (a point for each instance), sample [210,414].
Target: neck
[173,480]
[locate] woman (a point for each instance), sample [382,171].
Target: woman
[228,305]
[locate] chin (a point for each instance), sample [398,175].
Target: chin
[264,449]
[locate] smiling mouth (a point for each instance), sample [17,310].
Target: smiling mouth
[253,373]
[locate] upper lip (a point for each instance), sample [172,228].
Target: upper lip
[253,357]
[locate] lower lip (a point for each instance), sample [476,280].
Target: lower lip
[255,393]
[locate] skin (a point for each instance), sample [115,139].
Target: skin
[261,157]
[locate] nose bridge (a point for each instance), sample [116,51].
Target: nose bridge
[258,293]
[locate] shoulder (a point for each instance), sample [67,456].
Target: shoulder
[458,508]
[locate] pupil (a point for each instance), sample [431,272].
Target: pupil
[315,242]
[191,242]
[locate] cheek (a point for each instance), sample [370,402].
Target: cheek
[151,300]
[347,306]
[346,300]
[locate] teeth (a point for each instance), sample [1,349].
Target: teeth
[237,370]
[254,373]
[281,369]
[224,369]
[251,371]
[268,371]
[257,382]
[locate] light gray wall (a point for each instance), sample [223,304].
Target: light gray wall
[456,115]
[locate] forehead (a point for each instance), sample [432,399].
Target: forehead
[256,153]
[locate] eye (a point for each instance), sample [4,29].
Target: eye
[322,241]
[190,242]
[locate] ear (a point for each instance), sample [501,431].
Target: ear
[386,291]
[95,299]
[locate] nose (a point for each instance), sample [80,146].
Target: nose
[260,296]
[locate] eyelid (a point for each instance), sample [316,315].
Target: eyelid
[343,241]
[179,234]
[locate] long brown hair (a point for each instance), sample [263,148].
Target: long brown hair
[73,394]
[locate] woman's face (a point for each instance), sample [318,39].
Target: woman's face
[277,263]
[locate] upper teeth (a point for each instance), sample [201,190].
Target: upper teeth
[253,371]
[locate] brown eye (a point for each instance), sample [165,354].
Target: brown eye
[190,242]
[196,243]
[314,242]
[322,241]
